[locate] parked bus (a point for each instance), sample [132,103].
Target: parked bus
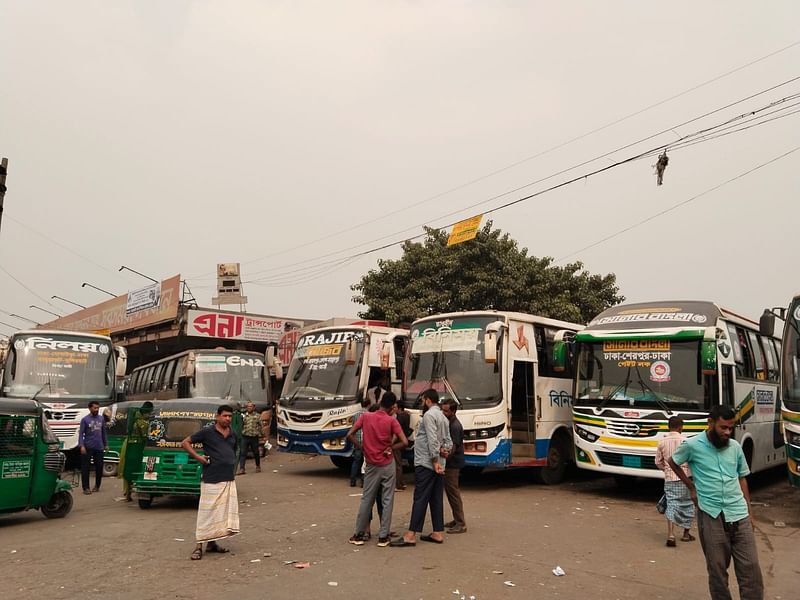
[790,382]
[515,405]
[640,364]
[235,376]
[64,371]
[331,370]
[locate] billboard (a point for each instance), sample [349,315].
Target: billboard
[113,315]
[238,326]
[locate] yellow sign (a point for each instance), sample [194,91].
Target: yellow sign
[102,332]
[464,231]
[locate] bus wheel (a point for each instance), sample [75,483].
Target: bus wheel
[145,503]
[557,461]
[58,506]
[342,462]
[110,469]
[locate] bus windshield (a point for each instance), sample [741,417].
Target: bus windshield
[791,359]
[447,355]
[58,366]
[319,369]
[648,373]
[240,377]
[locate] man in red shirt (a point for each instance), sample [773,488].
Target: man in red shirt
[379,431]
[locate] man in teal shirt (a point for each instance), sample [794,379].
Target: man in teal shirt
[720,491]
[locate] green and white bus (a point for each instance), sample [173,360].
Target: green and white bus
[640,364]
[790,382]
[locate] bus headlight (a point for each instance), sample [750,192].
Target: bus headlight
[792,437]
[585,434]
[483,434]
[474,447]
[338,423]
[335,444]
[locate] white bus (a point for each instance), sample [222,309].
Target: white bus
[331,370]
[640,364]
[514,405]
[64,371]
[790,382]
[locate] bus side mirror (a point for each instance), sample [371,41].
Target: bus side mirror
[189,366]
[766,324]
[490,341]
[278,372]
[559,356]
[122,361]
[708,357]
[386,355]
[350,352]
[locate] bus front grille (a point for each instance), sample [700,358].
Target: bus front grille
[614,459]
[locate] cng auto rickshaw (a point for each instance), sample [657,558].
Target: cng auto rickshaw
[166,469]
[30,462]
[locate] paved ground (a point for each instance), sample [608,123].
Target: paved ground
[609,543]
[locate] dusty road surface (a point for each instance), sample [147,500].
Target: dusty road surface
[609,543]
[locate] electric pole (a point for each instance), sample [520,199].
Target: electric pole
[3,172]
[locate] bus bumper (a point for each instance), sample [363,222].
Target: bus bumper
[329,443]
[499,457]
[617,461]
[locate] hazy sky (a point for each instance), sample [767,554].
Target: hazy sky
[169,136]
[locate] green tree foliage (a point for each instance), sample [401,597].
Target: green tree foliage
[489,272]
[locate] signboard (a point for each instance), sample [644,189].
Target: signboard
[464,230]
[112,315]
[143,298]
[229,285]
[238,326]
[16,469]
[671,314]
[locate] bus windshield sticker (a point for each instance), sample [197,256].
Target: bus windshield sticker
[660,372]
[207,363]
[444,340]
[636,345]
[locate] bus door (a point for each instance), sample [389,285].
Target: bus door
[523,410]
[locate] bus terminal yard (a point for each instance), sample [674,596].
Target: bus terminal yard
[300,509]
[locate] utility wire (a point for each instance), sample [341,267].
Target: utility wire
[43,299]
[650,152]
[524,160]
[676,206]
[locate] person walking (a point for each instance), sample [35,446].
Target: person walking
[452,471]
[93,442]
[430,448]
[680,508]
[218,513]
[724,519]
[251,436]
[358,454]
[381,435]
[404,418]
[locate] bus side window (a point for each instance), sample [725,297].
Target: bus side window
[541,351]
[738,356]
[727,386]
[758,356]
[169,378]
[741,352]
[771,358]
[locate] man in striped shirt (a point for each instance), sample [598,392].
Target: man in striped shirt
[680,508]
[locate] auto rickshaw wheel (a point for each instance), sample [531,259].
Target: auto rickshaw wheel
[58,506]
[145,503]
[110,469]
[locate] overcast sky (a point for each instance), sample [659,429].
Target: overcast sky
[169,136]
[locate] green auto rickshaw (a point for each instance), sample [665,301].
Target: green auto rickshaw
[165,468]
[30,462]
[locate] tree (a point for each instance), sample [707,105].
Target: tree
[489,272]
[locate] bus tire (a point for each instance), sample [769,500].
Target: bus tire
[342,462]
[110,469]
[58,506]
[747,449]
[557,460]
[145,503]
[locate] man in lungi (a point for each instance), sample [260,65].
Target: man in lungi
[218,513]
[680,508]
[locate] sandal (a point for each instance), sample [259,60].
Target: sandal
[687,537]
[197,554]
[671,542]
[430,538]
[213,547]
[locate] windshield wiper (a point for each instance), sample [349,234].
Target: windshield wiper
[46,385]
[622,386]
[658,399]
[290,401]
[447,385]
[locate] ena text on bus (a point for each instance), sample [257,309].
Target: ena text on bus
[640,364]
[514,404]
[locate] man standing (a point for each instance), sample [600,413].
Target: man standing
[431,444]
[251,434]
[452,471]
[218,513]
[402,416]
[93,442]
[379,430]
[724,518]
[680,508]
